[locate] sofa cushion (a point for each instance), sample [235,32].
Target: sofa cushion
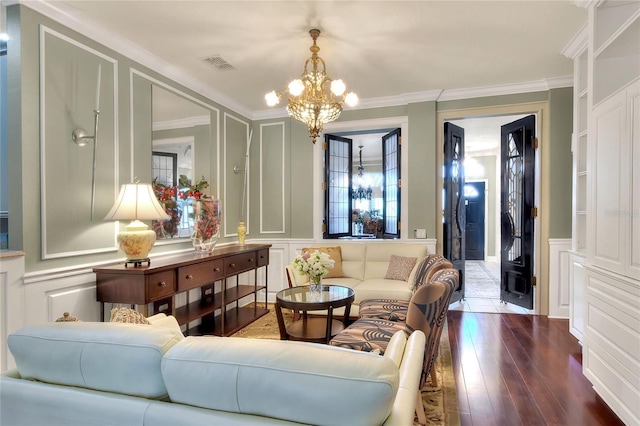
[380,288]
[335,253]
[369,334]
[378,256]
[400,267]
[111,357]
[294,381]
[353,258]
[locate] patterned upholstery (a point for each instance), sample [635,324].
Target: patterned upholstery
[426,311]
[396,310]
[368,334]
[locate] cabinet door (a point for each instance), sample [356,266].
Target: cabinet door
[634,116]
[610,179]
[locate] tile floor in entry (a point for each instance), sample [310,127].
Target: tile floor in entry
[475,304]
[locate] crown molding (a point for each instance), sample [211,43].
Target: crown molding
[66,16]
[182,123]
[577,44]
[267,114]
[507,89]
[72,19]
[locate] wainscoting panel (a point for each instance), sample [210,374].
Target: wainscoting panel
[611,355]
[559,267]
[11,302]
[48,295]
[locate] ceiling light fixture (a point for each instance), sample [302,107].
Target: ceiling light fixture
[314,98]
[360,193]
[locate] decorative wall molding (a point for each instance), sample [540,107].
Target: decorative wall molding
[45,251]
[215,123]
[559,281]
[12,302]
[182,123]
[229,167]
[282,230]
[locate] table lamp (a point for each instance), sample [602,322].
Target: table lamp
[135,202]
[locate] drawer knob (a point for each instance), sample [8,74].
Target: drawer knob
[216,269]
[189,277]
[250,260]
[233,265]
[162,284]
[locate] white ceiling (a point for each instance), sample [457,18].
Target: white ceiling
[381,49]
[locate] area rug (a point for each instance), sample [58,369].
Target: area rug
[482,279]
[440,402]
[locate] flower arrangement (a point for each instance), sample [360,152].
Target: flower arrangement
[207,224]
[193,190]
[166,195]
[314,265]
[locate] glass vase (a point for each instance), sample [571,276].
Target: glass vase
[206,228]
[315,285]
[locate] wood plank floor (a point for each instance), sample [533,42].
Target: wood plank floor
[521,370]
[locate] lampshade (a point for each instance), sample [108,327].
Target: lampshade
[136,201]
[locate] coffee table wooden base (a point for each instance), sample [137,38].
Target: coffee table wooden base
[313,329]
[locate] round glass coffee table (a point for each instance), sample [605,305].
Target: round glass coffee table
[319,329]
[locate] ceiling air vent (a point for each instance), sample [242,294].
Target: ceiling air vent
[219,62]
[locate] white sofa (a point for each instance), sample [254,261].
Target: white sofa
[365,266]
[126,374]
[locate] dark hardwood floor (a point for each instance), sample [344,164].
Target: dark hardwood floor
[521,370]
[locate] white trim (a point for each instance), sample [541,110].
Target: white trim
[182,123]
[577,44]
[43,32]
[282,231]
[507,89]
[224,165]
[559,267]
[174,141]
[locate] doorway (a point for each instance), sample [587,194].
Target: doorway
[483,184]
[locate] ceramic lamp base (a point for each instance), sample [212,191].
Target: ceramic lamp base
[136,241]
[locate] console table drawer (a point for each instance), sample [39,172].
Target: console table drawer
[194,276]
[160,285]
[239,263]
[263,257]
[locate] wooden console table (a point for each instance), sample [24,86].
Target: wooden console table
[159,283]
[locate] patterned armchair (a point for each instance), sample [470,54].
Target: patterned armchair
[426,311]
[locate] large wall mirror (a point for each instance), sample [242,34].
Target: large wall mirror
[180,129]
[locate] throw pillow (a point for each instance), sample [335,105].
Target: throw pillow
[67,317]
[128,315]
[400,267]
[335,253]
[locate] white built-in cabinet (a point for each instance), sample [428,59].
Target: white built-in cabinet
[605,256]
[579,144]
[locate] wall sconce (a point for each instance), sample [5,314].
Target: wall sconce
[81,138]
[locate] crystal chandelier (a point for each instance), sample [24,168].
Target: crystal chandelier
[360,193]
[314,98]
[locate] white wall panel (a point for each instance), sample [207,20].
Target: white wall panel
[559,282]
